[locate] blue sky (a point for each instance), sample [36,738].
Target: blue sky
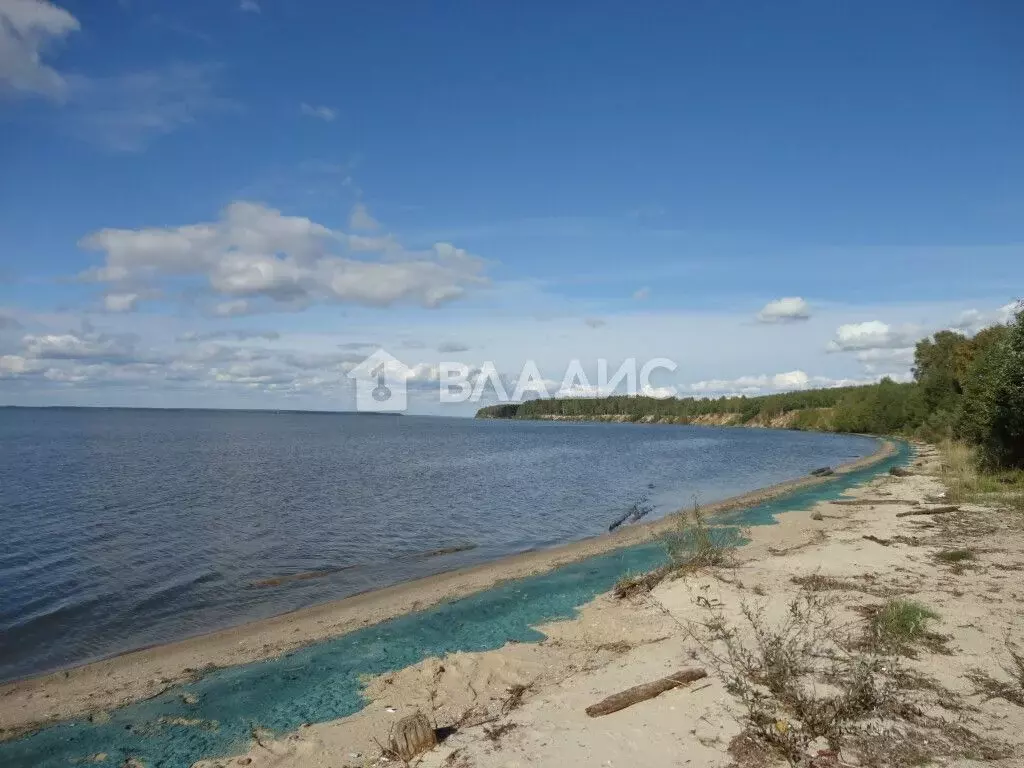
[213,202]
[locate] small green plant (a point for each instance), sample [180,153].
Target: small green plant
[955,555]
[899,624]
[694,544]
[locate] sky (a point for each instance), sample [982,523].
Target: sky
[231,203]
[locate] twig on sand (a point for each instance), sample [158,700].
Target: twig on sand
[932,511]
[883,542]
[639,693]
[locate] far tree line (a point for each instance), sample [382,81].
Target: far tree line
[969,388]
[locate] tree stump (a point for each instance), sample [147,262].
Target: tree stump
[411,736]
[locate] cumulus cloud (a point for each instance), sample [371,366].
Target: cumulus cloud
[14,365]
[249,6]
[87,344]
[121,302]
[765,383]
[360,219]
[28,29]
[873,334]
[973,320]
[255,256]
[788,309]
[641,293]
[321,112]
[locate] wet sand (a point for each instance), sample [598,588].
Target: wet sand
[28,704]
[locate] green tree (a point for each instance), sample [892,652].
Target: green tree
[993,405]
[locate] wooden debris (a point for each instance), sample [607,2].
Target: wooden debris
[900,472]
[822,472]
[411,736]
[932,511]
[883,542]
[639,693]
[866,502]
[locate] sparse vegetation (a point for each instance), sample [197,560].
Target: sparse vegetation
[955,555]
[691,546]
[1011,690]
[967,483]
[803,686]
[898,625]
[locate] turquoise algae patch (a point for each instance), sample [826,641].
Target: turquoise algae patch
[217,714]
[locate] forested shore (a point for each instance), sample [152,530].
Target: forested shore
[965,388]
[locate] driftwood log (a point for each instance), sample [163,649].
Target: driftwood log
[639,693]
[932,511]
[866,502]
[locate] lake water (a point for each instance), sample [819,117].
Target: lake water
[124,528]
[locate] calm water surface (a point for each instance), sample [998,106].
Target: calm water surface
[123,528]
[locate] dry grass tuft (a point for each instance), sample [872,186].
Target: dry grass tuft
[897,626]
[692,546]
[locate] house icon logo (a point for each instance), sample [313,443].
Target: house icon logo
[380,383]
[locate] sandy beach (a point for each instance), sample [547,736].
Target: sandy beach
[951,694]
[115,682]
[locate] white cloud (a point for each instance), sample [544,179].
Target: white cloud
[326,114]
[873,334]
[85,345]
[12,365]
[641,293]
[250,6]
[448,347]
[27,29]
[121,302]
[765,383]
[232,308]
[361,220]
[256,256]
[594,322]
[789,309]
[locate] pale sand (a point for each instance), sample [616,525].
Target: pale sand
[616,644]
[121,680]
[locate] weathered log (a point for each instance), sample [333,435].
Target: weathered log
[822,472]
[867,502]
[932,511]
[411,736]
[900,472]
[639,693]
[616,523]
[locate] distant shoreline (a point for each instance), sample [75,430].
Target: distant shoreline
[143,673]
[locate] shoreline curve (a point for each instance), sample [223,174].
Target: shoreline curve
[30,703]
